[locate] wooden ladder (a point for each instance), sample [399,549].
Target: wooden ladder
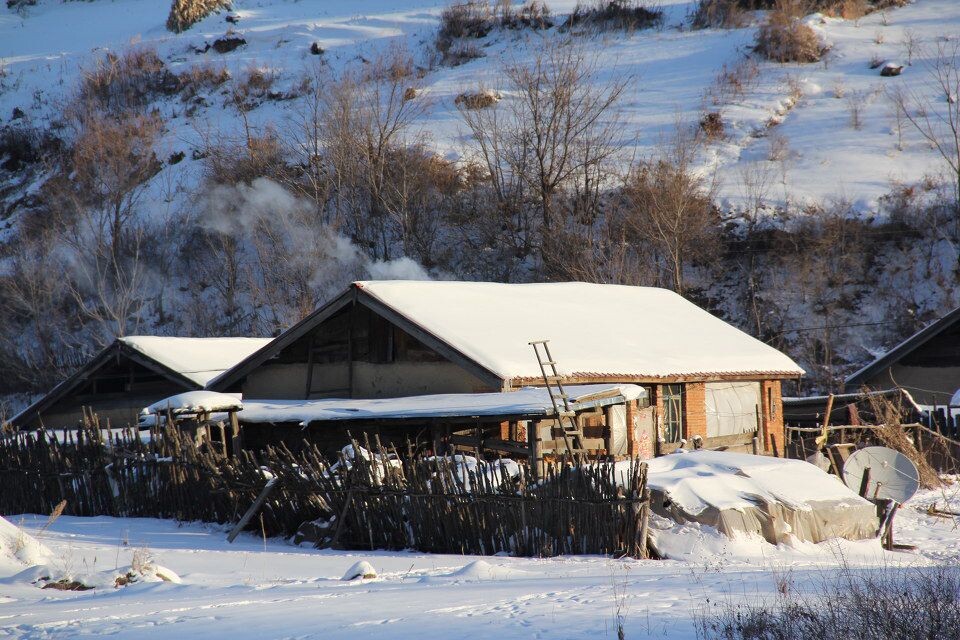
[566,416]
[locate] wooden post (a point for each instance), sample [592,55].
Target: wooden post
[237,438]
[536,453]
[223,436]
[756,446]
[823,437]
[645,524]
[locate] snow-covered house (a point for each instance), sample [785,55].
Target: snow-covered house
[132,373]
[403,339]
[927,364]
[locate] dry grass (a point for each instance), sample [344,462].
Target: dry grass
[784,38]
[610,15]
[200,78]
[876,604]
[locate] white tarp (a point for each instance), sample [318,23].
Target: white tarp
[776,498]
[732,407]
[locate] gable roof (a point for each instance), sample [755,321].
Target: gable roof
[595,330]
[905,348]
[198,360]
[189,362]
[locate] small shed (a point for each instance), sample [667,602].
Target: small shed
[133,372]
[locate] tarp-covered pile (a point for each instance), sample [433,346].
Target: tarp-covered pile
[781,500]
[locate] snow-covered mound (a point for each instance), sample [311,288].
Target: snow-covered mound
[478,570]
[360,570]
[19,549]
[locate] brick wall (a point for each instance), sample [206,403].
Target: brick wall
[695,411]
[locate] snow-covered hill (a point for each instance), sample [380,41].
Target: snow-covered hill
[813,152]
[829,283]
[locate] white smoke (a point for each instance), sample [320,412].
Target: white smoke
[400,269]
[264,212]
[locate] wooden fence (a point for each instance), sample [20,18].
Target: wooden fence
[376,500]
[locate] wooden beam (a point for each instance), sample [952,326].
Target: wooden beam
[257,504]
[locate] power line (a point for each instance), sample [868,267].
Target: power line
[831,326]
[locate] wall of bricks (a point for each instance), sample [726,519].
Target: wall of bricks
[695,411]
[772,416]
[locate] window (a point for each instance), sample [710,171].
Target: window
[732,407]
[672,396]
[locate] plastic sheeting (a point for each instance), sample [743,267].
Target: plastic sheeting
[731,407]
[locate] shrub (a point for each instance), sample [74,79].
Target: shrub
[21,146]
[130,80]
[477,99]
[783,38]
[473,19]
[477,18]
[728,14]
[185,13]
[734,13]
[614,14]
[711,124]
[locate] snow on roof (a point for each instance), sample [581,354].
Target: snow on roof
[197,359]
[594,329]
[699,480]
[528,401]
[195,402]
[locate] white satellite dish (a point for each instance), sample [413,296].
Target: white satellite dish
[893,476]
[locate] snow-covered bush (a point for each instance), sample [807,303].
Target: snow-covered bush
[185,13]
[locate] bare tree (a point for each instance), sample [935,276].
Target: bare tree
[671,206]
[937,117]
[556,127]
[349,130]
[111,162]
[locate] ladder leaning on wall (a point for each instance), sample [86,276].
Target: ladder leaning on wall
[566,416]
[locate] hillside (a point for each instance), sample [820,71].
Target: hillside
[228,178]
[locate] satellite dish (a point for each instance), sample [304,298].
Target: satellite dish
[893,476]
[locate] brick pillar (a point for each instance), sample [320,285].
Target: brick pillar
[772,415]
[695,411]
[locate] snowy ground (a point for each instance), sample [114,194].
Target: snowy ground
[812,153]
[257,589]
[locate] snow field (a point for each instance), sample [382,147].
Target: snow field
[258,588]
